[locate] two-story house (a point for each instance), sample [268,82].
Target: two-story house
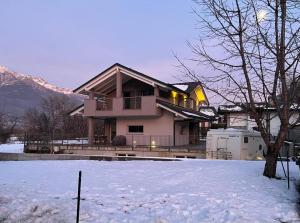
[145,110]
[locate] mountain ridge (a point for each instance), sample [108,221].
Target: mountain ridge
[19,92]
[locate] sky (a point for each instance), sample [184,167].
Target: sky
[67,42]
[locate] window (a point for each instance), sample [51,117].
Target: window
[245,139]
[147,92]
[135,129]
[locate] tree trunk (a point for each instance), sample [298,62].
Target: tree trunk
[271,162]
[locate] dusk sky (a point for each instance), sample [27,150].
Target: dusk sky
[66,42]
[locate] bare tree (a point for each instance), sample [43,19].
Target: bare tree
[35,121]
[52,119]
[253,49]
[7,126]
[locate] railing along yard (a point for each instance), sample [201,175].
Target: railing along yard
[45,143]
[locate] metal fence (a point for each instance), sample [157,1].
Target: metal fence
[105,105]
[132,103]
[149,140]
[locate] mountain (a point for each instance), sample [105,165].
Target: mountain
[19,92]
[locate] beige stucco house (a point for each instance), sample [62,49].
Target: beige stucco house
[145,110]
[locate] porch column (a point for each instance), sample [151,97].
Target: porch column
[90,130]
[91,95]
[107,130]
[119,89]
[156,91]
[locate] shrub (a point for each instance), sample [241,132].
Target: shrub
[119,140]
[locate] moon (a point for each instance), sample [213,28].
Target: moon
[261,15]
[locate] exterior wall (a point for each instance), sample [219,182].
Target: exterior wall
[159,128]
[232,141]
[198,96]
[243,121]
[239,120]
[148,108]
[275,122]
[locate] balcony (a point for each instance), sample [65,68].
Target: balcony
[104,105]
[132,103]
[125,106]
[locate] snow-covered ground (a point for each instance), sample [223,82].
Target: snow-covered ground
[14,147]
[145,191]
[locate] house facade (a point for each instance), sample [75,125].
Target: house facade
[235,117]
[146,111]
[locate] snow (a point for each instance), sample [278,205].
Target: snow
[234,108]
[11,77]
[16,147]
[145,191]
[182,87]
[189,113]
[208,111]
[3,69]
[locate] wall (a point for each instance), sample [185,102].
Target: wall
[198,96]
[275,122]
[160,128]
[181,133]
[238,120]
[243,121]
[148,108]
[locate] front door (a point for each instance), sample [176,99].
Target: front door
[194,133]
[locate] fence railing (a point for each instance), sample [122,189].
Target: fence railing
[149,140]
[105,105]
[132,103]
[220,154]
[182,140]
[133,142]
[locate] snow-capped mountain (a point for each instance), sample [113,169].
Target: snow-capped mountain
[8,77]
[18,92]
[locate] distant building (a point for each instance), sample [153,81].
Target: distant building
[234,117]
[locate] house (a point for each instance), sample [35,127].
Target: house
[145,110]
[235,117]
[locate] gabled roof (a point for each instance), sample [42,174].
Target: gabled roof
[183,112]
[128,71]
[208,110]
[189,87]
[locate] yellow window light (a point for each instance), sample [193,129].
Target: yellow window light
[174,94]
[184,98]
[200,94]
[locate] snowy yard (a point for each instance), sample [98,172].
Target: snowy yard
[14,147]
[145,191]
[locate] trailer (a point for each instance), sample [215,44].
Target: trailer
[236,144]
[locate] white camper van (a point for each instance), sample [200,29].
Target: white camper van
[236,144]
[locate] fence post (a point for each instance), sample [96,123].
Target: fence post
[288,166]
[169,143]
[132,142]
[78,197]
[150,143]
